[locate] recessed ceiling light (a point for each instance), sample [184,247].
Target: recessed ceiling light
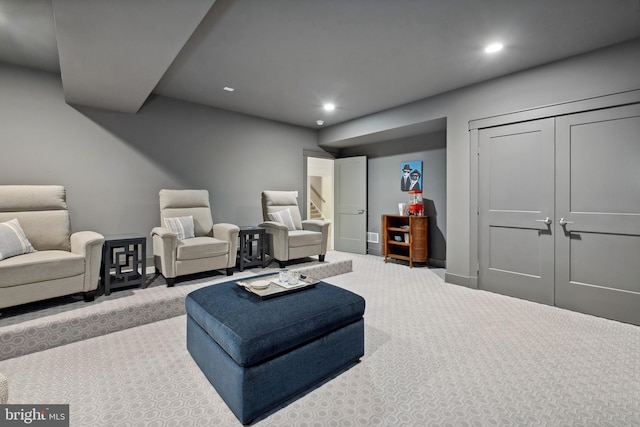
[329,107]
[228,89]
[493,48]
[319,122]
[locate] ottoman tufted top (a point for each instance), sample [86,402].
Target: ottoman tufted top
[252,330]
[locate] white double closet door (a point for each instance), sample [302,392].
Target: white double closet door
[559,211]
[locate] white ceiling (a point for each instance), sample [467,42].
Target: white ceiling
[285,58]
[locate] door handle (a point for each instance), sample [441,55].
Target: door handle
[564,222]
[360,211]
[547,220]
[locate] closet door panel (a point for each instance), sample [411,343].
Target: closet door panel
[591,263]
[515,189]
[598,200]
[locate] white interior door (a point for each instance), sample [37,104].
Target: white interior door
[350,204]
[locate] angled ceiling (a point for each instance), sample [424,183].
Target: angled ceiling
[285,58]
[121,44]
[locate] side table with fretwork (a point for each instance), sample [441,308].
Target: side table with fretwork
[251,250]
[124,261]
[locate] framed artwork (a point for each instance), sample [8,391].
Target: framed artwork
[411,175]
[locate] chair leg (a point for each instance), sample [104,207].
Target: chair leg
[170,281]
[321,258]
[230,271]
[89,296]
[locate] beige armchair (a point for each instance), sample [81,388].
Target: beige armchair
[191,246]
[49,261]
[288,236]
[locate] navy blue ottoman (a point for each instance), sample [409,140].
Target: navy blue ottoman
[261,354]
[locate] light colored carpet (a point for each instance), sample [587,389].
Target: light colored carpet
[435,355]
[46,324]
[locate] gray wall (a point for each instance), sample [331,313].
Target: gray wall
[113,165]
[605,71]
[384,162]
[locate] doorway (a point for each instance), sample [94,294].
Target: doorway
[319,191]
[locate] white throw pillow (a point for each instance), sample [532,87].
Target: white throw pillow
[182,226]
[283,217]
[13,241]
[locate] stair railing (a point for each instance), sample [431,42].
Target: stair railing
[314,204]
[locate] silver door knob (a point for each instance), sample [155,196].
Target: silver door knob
[564,222]
[547,220]
[360,211]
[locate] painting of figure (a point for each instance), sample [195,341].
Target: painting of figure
[411,176]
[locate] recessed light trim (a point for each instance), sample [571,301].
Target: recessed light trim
[494,47]
[329,106]
[228,89]
[319,122]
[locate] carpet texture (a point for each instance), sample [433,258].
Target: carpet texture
[435,355]
[46,324]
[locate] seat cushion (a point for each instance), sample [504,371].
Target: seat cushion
[299,238]
[39,267]
[201,247]
[252,330]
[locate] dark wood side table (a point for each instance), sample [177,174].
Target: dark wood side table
[251,251]
[124,261]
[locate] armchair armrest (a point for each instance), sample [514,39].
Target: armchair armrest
[225,231]
[277,240]
[89,244]
[165,242]
[320,226]
[276,229]
[164,233]
[274,226]
[315,225]
[228,232]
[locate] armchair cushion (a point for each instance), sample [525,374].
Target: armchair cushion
[179,203]
[283,217]
[40,267]
[183,226]
[13,241]
[201,247]
[274,201]
[299,238]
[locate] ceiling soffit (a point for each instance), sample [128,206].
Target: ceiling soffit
[113,53]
